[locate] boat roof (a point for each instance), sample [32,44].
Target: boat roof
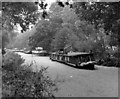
[74,53]
[77,53]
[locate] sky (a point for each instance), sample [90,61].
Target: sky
[50,1]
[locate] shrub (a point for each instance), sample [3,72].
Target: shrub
[12,61]
[23,82]
[109,59]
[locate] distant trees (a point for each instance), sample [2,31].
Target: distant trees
[45,30]
[63,28]
[20,41]
[62,38]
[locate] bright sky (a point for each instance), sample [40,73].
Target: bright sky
[50,1]
[0,13]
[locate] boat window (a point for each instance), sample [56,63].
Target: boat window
[84,58]
[87,58]
[91,58]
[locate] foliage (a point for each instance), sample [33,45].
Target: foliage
[56,10]
[13,14]
[45,30]
[21,41]
[20,81]
[0,39]
[4,38]
[68,15]
[64,37]
[110,60]
[61,39]
[12,59]
[85,27]
[8,37]
[103,14]
[23,13]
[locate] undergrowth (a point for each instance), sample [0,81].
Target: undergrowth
[21,81]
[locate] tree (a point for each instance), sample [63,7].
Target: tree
[5,39]
[103,14]
[65,36]
[68,15]
[23,13]
[16,13]
[0,39]
[99,13]
[55,10]
[13,13]
[45,30]
[22,39]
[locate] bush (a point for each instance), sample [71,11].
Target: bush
[12,61]
[108,59]
[23,82]
[110,62]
